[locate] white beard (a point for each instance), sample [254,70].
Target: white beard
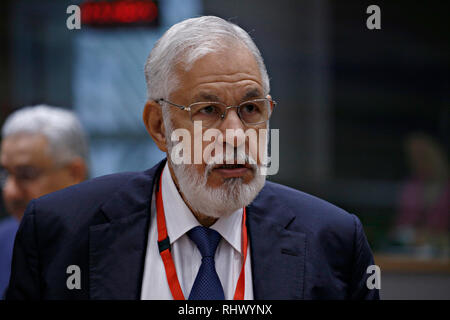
[216,202]
[221,201]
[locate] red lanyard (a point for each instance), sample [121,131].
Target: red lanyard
[164,251]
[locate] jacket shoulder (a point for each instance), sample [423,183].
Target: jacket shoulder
[88,194]
[73,209]
[311,210]
[336,246]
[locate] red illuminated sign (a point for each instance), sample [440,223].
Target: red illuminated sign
[119,12]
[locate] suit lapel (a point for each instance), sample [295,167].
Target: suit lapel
[116,252]
[278,255]
[117,249]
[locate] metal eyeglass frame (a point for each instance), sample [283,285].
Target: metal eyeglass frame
[273,103]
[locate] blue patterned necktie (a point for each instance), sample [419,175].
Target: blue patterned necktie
[207,284]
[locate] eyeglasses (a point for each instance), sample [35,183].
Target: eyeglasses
[252,112]
[23,175]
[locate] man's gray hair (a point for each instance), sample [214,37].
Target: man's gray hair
[61,127]
[186,42]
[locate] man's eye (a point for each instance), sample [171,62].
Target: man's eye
[208,110]
[250,108]
[27,174]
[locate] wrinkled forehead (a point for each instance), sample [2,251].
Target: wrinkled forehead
[234,66]
[213,46]
[223,49]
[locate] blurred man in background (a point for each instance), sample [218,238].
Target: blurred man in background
[43,149]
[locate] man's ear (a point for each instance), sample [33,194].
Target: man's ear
[154,123]
[78,170]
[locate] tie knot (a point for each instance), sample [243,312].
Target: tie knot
[206,240]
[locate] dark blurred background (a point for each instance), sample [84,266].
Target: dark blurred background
[362,113]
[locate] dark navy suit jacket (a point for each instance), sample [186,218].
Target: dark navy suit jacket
[301,247]
[8,229]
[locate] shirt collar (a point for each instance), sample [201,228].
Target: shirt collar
[230,228]
[179,218]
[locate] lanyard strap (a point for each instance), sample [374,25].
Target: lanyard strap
[169,265]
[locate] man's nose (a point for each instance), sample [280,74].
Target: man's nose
[232,128]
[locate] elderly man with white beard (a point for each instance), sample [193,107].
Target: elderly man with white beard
[209,226]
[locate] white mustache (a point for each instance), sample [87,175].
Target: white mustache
[238,156]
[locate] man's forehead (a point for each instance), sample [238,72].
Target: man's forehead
[24,149]
[229,64]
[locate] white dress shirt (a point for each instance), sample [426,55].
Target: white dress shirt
[185,254]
